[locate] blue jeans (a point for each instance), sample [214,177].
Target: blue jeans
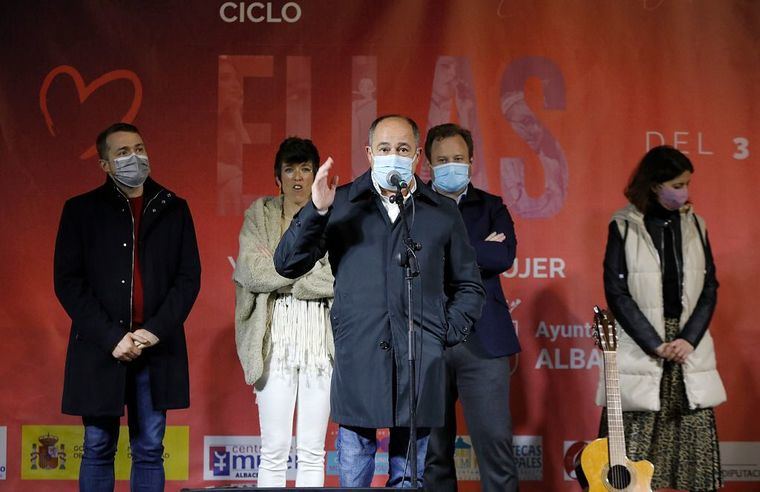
[356,449]
[146,435]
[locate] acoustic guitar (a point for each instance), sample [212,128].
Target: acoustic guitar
[604,465]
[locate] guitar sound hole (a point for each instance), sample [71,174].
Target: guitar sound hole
[619,477]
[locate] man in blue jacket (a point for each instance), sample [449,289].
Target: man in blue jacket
[127,272]
[363,231]
[478,369]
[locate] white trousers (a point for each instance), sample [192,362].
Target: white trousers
[278,395]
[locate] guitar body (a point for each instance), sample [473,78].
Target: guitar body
[604,466]
[595,464]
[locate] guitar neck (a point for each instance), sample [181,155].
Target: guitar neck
[616,437]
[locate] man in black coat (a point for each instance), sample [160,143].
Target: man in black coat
[477,370]
[362,231]
[127,272]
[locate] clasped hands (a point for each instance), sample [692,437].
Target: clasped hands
[676,351]
[132,344]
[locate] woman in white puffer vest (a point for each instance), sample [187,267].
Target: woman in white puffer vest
[660,283]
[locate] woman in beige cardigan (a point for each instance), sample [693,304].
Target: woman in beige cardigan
[282,327]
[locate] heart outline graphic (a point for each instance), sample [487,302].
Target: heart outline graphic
[84,91]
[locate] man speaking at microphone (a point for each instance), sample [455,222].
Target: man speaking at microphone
[360,228]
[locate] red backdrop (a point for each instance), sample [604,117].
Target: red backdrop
[563,99]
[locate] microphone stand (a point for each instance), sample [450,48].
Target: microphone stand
[407,259]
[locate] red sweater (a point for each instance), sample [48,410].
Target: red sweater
[136,204]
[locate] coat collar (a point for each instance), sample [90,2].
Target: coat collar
[362,187]
[273,208]
[473,195]
[155,196]
[150,189]
[633,214]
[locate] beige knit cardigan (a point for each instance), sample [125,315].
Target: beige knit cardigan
[257,283]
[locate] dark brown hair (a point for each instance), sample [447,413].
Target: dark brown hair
[445,131]
[102,145]
[660,164]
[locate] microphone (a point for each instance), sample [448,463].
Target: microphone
[394,178]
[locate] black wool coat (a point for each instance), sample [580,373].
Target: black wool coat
[93,281]
[370,383]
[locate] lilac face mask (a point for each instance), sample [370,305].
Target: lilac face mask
[672,198]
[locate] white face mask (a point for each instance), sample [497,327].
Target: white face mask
[131,170]
[384,165]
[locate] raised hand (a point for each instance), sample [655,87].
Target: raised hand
[323,188]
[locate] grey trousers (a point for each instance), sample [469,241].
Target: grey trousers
[482,385]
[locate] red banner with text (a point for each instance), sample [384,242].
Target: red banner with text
[562,98]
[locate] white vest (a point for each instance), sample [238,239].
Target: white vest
[640,374]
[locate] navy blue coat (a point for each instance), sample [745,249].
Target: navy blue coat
[93,281]
[369,314]
[483,214]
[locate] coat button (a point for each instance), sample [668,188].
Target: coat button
[121,321]
[123,281]
[385,345]
[163,201]
[124,244]
[168,195]
[154,210]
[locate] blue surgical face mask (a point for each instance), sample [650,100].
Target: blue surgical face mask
[383,165]
[451,176]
